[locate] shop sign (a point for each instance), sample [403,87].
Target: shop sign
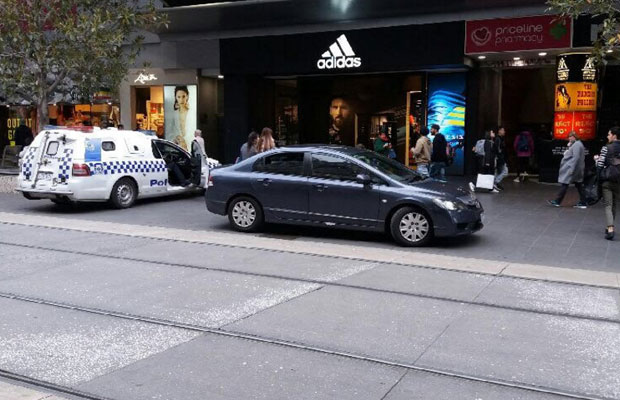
[144,78]
[339,56]
[576,68]
[582,122]
[517,34]
[575,96]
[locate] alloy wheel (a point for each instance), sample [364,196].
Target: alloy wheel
[414,227]
[244,213]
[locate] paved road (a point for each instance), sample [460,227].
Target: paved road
[520,227]
[113,316]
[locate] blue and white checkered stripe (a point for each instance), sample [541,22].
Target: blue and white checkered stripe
[126,167]
[64,164]
[27,162]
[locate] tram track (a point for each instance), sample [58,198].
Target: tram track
[335,284]
[268,341]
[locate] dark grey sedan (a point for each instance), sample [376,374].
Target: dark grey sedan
[344,187]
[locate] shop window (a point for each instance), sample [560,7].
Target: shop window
[332,167]
[283,163]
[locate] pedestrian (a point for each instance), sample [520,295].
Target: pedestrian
[524,147]
[249,148]
[266,142]
[609,162]
[382,144]
[201,142]
[439,154]
[571,171]
[422,152]
[501,167]
[23,134]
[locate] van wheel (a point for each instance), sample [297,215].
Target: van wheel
[411,227]
[245,214]
[124,193]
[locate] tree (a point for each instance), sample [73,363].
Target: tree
[609,10]
[69,48]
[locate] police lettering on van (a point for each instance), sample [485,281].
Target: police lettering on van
[67,165]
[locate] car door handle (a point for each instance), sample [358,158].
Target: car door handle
[264,181]
[320,187]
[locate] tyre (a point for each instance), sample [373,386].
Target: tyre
[245,214]
[411,227]
[124,193]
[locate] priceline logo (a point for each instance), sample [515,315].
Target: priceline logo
[339,56]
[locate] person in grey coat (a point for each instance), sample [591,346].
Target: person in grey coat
[571,171]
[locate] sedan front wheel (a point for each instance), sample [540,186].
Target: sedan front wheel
[411,227]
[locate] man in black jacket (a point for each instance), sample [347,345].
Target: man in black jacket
[439,155]
[23,135]
[500,165]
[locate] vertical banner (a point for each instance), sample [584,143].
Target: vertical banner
[575,97]
[180,111]
[446,108]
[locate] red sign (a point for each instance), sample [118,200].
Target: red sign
[517,34]
[582,122]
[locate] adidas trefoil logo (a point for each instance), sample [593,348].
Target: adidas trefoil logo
[339,56]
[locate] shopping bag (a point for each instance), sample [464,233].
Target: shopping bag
[592,187]
[485,181]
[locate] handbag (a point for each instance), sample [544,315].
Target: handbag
[611,173]
[485,181]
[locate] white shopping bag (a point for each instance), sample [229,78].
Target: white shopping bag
[485,181]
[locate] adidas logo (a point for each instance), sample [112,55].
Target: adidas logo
[339,56]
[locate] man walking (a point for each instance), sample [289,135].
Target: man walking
[439,155]
[571,171]
[610,160]
[422,152]
[501,168]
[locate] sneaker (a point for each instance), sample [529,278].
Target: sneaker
[553,203]
[580,205]
[517,180]
[500,186]
[609,235]
[496,187]
[494,191]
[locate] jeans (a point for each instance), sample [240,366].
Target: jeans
[438,170]
[611,193]
[579,186]
[501,174]
[423,170]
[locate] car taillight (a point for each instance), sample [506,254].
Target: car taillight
[210,181]
[81,170]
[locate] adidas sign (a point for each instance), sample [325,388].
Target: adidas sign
[339,56]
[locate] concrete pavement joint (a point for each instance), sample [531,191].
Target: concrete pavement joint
[325,283]
[595,278]
[276,342]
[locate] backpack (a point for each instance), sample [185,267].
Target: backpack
[479,150]
[523,145]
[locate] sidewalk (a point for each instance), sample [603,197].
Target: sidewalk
[13,392]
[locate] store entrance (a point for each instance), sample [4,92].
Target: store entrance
[149,109]
[527,97]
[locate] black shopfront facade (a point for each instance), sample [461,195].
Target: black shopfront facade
[383,79]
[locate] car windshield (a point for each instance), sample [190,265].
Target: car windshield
[393,169]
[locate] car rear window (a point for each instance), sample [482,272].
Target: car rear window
[281,163]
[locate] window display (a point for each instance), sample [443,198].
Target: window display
[180,114]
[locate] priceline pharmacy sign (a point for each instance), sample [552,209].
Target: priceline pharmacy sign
[340,55]
[517,34]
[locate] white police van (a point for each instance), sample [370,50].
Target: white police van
[68,165]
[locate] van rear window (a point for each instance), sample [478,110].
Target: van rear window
[52,149]
[108,146]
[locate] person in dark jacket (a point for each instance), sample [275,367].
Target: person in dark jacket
[501,167]
[439,155]
[23,135]
[611,190]
[571,171]
[524,147]
[382,144]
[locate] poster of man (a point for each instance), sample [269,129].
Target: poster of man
[180,114]
[341,121]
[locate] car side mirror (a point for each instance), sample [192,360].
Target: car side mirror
[363,179]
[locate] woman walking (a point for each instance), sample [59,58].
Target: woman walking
[571,171]
[609,160]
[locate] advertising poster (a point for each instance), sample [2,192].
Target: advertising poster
[575,96]
[180,111]
[341,121]
[446,108]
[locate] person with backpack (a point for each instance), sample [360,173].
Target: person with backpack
[609,163]
[572,168]
[524,147]
[439,155]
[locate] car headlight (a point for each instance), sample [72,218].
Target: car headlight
[447,204]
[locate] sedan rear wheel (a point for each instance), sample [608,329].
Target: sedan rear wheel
[245,214]
[411,227]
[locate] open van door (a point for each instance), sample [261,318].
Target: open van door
[200,166]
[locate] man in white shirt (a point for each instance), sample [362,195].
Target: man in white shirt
[200,140]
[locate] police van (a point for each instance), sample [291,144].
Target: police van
[68,165]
